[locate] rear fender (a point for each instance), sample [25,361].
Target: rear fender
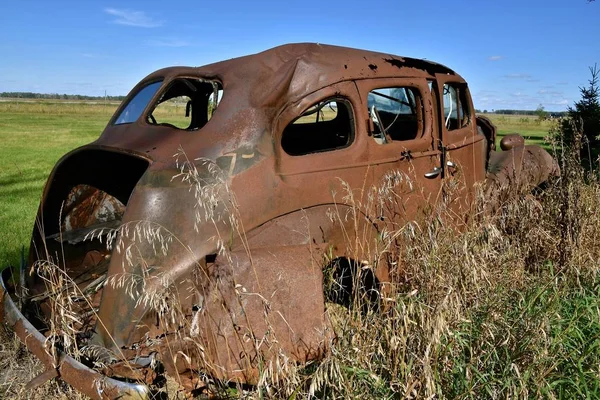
[254,310]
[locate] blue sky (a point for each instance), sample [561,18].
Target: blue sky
[514,54]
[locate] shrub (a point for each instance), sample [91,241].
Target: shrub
[584,118]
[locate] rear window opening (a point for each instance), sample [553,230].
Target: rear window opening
[136,106]
[187,104]
[325,126]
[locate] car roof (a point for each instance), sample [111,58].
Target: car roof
[296,70]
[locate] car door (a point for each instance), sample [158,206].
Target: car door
[322,165]
[402,147]
[464,149]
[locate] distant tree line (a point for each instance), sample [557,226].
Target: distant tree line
[57,96]
[553,114]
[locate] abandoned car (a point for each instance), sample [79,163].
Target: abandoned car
[190,238]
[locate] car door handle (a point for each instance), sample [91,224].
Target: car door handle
[432,174]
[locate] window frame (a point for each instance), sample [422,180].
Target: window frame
[167,84]
[397,150]
[467,133]
[166,80]
[352,155]
[419,114]
[462,104]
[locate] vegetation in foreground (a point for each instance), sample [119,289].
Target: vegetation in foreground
[506,308]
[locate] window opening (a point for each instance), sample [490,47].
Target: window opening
[456,115]
[325,126]
[187,104]
[137,104]
[396,113]
[173,112]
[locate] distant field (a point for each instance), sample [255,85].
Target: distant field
[35,134]
[532,130]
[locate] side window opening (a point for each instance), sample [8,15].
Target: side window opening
[325,126]
[396,114]
[456,111]
[187,104]
[173,112]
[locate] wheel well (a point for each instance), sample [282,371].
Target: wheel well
[351,284]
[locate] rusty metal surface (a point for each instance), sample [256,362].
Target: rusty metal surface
[217,262]
[511,141]
[518,169]
[86,206]
[273,313]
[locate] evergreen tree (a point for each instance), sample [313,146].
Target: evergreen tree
[582,127]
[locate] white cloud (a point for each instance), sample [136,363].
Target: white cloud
[168,42]
[132,18]
[495,58]
[550,92]
[93,55]
[518,76]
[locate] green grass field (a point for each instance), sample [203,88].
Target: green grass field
[533,130]
[34,135]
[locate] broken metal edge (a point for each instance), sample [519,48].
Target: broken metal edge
[82,378]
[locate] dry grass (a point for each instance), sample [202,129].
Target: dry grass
[505,307]
[18,367]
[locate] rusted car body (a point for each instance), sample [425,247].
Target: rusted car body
[219,228]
